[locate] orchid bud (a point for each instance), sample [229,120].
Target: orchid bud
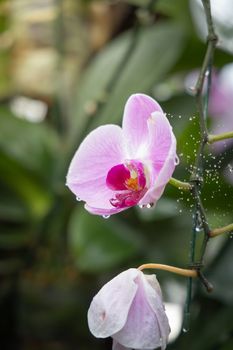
[129,309]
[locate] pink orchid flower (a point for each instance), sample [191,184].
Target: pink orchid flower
[129,309]
[116,168]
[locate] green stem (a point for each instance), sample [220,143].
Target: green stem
[218,231]
[184,186]
[211,32]
[220,137]
[190,280]
[197,173]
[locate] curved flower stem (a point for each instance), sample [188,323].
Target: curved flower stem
[218,231]
[220,137]
[173,269]
[184,186]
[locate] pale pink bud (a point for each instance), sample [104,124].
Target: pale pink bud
[129,308]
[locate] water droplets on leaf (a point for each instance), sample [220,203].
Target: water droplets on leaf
[78,199]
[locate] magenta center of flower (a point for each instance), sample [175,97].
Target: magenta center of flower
[129,182]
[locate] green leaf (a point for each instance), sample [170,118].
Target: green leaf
[11,208]
[139,3]
[157,50]
[34,146]
[24,185]
[98,244]
[152,59]
[14,239]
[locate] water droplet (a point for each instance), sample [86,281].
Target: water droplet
[149,205]
[185,330]
[207,73]
[192,90]
[230,168]
[78,199]
[140,206]
[106,216]
[176,160]
[199,223]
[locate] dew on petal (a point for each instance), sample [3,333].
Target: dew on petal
[106,216]
[149,205]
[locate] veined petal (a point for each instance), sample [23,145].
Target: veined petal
[109,308]
[138,110]
[102,149]
[154,298]
[160,175]
[118,346]
[103,212]
[142,329]
[159,138]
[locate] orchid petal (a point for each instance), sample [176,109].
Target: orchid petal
[103,212]
[118,346]
[160,175]
[102,149]
[138,110]
[104,318]
[142,329]
[159,138]
[154,298]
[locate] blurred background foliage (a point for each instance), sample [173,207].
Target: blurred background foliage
[67,66]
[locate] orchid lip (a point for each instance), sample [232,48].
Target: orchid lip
[129,182]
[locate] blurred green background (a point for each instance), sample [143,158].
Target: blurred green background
[67,66]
